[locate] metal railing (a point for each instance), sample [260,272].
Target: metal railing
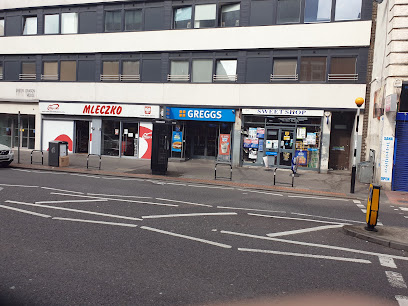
[178,78]
[49,77]
[42,156]
[342,77]
[225,164]
[87,160]
[27,76]
[283,183]
[110,77]
[282,77]
[130,77]
[225,78]
[1,76]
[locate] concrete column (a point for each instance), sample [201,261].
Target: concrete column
[236,139]
[324,160]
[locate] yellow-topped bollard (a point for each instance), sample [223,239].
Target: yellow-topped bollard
[373,205]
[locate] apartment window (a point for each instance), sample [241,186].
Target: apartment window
[288,11]
[343,69]
[313,69]
[51,24]
[68,71]
[202,70]
[113,21]
[318,10]
[69,23]
[284,69]
[28,71]
[110,71]
[179,71]
[50,71]
[30,26]
[204,16]
[226,70]
[182,17]
[230,15]
[1,27]
[133,20]
[130,71]
[348,10]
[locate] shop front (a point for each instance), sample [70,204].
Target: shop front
[197,132]
[274,137]
[100,128]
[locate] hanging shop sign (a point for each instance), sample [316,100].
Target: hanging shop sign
[387,152]
[282,112]
[225,144]
[100,109]
[177,141]
[201,114]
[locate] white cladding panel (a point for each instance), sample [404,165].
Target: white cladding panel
[320,96]
[323,35]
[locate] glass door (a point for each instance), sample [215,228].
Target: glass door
[286,146]
[130,136]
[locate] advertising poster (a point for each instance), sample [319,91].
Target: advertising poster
[177,141]
[387,152]
[252,132]
[301,133]
[254,143]
[311,138]
[260,133]
[224,144]
[261,145]
[58,130]
[145,140]
[269,144]
[247,142]
[302,158]
[253,154]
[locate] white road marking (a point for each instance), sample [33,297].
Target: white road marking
[117,178]
[117,195]
[298,219]
[323,246]
[187,237]
[70,201]
[379,223]
[113,199]
[49,172]
[392,206]
[177,184]
[387,262]
[360,206]
[402,300]
[84,175]
[55,189]
[304,230]
[98,222]
[1,188]
[364,210]
[395,279]
[26,186]
[25,211]
[189,203]
[188,215]
[252,209]
[357,201]
[22,170]
[346,220]
[404,208]
[205,186]
[317,198]
[263,192]
[306,255]
[76,210]
[395,208]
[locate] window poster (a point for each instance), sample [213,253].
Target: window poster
[301,133]
[224,144]
[177,141]
[253,153]
[261,145]
[301,157]
[254,143]
[252,132]
[311,138]
[260,133]
[247,142]
[269,144]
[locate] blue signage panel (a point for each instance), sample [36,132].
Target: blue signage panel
[201,114]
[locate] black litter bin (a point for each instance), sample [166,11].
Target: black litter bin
[56,149]
[161,138]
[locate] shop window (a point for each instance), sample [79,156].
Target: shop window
[69,23]
[226,70]
[51,24]
[28,71]
[50,71]
[179,71]
[202,71]
[30,25]
[133,20]
[285,69]
[343,69]
[313,69]
[205,15]
[110,136]
[130,71]
[288,11]
[68,71]
[230,15]
[182,18]
[1,27]
[318,10]
[348,10]
[110,71]
[113,21]
[1,71]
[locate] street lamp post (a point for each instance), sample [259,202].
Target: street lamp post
[359,102]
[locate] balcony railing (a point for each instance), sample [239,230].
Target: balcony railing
[130,77]
[27,76]
[282,77]
[343,77]
[110,77]
[225,78]
[178,78]
[1,76]
[49,77]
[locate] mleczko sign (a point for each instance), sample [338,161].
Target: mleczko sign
[281,112]
[96,109]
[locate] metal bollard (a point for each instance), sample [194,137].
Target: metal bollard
[373,205]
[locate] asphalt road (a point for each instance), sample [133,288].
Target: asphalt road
[87,240]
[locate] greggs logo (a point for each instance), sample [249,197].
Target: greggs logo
[102,109]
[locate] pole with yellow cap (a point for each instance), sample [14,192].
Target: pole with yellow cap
[359,101]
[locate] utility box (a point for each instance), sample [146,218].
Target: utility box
[365,172]
[58,154]
[161,138]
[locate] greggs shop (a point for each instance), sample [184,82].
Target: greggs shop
[100,128]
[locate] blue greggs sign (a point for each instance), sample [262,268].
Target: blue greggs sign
[201,114]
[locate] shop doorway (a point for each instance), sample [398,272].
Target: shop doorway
[81,136]
[340,137]
[130,137]
[280,146]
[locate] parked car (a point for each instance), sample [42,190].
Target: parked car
[6,155]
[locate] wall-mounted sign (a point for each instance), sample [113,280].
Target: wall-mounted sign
[201,114]
[387,152]
[282,112]
[100,109]
[224,144]
[177,141]
[390,103]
